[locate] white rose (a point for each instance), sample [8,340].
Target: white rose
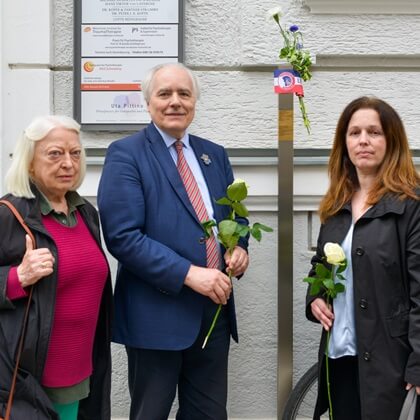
[240,181]
[334,253]
[275,13]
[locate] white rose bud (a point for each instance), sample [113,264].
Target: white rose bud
[334,253]
[240,181]
[274,13]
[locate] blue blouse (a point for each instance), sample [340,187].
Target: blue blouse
[343,332]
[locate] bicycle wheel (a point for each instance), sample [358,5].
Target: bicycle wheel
[301,402]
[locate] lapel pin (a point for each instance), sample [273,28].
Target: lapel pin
[205,158]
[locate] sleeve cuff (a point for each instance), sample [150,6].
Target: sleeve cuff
[13,289]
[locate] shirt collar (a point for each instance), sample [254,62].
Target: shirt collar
[169,140]
[73,201]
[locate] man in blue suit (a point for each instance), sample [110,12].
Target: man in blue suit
[165,295]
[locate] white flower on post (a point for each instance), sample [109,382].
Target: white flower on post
[300,60]
[275,13]
[334,253]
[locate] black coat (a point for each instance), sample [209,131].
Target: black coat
[30,399]
[386,277]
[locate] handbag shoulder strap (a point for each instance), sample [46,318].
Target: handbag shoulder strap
[18,216]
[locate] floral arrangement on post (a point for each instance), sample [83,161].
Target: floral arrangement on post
[324,282]
[229,230]
[295,55]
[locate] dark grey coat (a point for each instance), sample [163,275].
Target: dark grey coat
[30,400]
[386,277]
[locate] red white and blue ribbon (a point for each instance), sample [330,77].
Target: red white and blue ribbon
[288,81]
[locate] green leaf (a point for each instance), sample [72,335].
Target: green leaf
[228,241]
[328,284]
[208,224]
[208,227]
[309,280]
[314,290]
[240,209]
[315,285]
[237,191]
[341,267]
[322,271]
[227,234]
[242,230]
[339,288]
[256,233]
[227,227]
[332,293]
[256,230]
[283,52]
[224,201]
[263,227]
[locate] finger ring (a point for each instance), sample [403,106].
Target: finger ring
[43,265]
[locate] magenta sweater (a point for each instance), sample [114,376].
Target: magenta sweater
[82,271]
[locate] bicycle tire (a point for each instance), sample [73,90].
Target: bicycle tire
[301,401]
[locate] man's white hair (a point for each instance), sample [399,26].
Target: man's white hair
[147,83]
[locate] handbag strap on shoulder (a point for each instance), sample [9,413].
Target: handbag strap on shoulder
[18,216]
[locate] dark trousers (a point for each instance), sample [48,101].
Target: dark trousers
[200,375]
[344,380]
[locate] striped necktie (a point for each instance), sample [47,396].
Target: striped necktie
[212,248]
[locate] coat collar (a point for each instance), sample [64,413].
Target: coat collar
[339,225]
[390,203]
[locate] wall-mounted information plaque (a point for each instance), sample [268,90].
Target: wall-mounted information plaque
[116,43]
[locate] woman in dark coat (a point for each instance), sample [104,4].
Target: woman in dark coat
[65,366]
[372,210]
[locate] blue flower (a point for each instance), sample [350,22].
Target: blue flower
[294,28]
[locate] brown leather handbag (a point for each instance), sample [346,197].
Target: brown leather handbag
[13,209]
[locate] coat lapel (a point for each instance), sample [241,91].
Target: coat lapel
[338,226]
[163,157]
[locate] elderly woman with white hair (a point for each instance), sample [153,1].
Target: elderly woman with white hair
[65,364]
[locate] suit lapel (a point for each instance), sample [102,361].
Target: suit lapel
[162,155]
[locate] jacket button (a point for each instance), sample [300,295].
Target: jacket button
[360,251]
[363,303]
[202,240]
[366,356]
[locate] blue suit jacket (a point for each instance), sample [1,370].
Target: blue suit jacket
[151,228]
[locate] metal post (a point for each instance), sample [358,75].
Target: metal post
[285,251]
